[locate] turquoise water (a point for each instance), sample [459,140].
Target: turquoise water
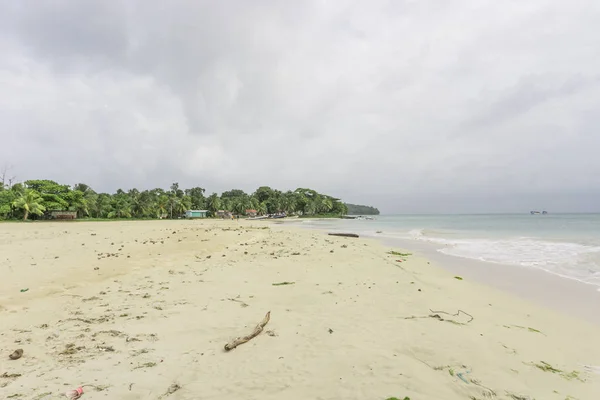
[567,245]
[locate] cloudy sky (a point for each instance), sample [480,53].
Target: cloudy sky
[409,105]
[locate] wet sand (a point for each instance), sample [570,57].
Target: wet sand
[567,296]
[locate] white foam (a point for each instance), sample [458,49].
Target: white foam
[569,260]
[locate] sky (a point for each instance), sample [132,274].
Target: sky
[413,106]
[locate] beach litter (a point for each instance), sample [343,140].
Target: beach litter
[460,376]
[15,355]
[75,393]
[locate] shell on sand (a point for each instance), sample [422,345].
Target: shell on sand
[15,355]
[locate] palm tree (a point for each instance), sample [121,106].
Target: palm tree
[241,204]
[213,203]
[121,209]
[162,204]
[326,204]
[226,204]
[101,205]
[261,209]
[77,202]
[138,207]
[30,202]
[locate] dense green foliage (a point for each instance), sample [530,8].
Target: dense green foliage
[355,209]
[36,198]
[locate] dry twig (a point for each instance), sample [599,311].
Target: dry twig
[257,330]
[453,315]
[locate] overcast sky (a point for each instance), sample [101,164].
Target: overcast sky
[408,105]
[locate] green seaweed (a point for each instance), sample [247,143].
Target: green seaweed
[572,375]
[283,283]
[544,366]
[146,365]
[396,253]
[458,277]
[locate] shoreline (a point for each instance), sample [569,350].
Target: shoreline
[560,293]
[569,296]
[139,308]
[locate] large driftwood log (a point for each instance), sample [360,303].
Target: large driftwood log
[352,235]
[257,330]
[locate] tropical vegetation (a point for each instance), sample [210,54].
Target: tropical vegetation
[355,209]
[35,199]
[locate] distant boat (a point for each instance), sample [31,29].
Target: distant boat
[259,217]
[537,212]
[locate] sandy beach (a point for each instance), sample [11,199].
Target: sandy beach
[143,310]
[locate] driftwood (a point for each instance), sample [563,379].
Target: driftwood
[282,283]
[257,330]
[350,235]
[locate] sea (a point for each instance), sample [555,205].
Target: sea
[566,245]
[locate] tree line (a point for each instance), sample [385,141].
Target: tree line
[36,198]
[356,209]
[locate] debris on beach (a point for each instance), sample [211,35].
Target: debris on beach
[350,235]
[172,389]
[257,330]
[516,396]
[436,315]
[74,394]
[9,376]
[399,254]
[15,355]
[283,283]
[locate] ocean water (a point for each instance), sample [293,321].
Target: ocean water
[567,245]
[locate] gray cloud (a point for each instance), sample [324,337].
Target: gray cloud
[411,106]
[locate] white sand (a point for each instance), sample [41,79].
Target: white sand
[161,316]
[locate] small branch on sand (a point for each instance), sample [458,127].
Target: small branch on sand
[350,235]
[243,304]
[282,283]
[257,330]
[436,315]
[453,315]
[172,389]
[516,396]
